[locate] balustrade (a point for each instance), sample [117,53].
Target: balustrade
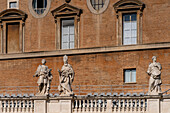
[118,104]
[84,104]
[16,105]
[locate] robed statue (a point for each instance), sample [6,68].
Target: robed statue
[66,77]
[154,71]
[45,78]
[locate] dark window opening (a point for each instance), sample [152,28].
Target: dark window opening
[39,6]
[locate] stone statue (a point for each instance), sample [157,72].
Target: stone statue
[154,71]
[66,77]
[45,78]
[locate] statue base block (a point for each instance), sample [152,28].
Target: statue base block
[40,106]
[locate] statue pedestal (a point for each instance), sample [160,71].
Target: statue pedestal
[60,105]
[154,104]
[53,104]
[40,104]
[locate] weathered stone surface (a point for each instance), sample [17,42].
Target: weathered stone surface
[45,78]
[154,71]
[66,77]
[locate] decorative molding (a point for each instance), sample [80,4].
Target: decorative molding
[37,15]
[128,5]
[66,10]
[12,16]
[15,14]
[89,5]
[62,12]
[86,51]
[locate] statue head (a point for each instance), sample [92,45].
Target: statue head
[154,58]
[43,61]
[65,59]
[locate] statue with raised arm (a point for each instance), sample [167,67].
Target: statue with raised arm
[66,77]
[154,71]
[45,78]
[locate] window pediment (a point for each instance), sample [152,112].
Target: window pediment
[12,14]
[66,9]
[128,4]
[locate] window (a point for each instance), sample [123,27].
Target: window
[97,6]
[39,6]
[67,34]
[129,29]
[12,31]
[67,19]
[130,75]
[129,21]
[12,4]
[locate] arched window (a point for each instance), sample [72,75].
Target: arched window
[39,6]
[97,6]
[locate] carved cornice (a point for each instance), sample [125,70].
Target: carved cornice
[66,10]
[123,5]
[11,14]
[86,51]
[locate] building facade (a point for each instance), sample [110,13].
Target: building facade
[110,43]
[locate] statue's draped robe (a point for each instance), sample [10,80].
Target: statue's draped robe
[154,71]
[66,79]
[42,72]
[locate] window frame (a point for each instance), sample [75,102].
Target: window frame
[130,76]
[122,7]
[91,8]
[10,1]
[6,18]
[66,11]
[31,9]
[123,29]
[62,32]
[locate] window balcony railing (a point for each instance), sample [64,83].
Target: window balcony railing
[39,10]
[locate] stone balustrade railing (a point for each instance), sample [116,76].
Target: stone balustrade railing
[16,105]
[86,104]
[109,104]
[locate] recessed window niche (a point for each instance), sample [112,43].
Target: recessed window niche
[39,8]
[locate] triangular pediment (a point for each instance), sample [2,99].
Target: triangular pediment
[66,9]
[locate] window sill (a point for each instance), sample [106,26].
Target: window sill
[130,82]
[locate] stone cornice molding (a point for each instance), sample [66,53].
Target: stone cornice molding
[128,5]
[11,14]
[86,51]
[66,10]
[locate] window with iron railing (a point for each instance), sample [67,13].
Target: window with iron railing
[39,6]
